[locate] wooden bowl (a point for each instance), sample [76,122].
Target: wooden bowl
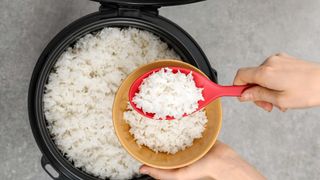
[163,160]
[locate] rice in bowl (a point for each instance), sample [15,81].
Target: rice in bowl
[167,93]
[168,136]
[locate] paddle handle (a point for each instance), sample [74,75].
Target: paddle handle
[234,90]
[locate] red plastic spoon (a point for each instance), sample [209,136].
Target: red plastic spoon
[211,90]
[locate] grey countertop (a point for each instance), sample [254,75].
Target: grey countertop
[232,33]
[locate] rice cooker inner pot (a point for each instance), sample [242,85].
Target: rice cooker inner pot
[110,15]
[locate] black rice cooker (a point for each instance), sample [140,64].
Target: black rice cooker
[141,14]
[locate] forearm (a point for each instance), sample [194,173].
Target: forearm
[247,172]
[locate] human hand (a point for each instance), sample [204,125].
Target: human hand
[221,162]
[284,82]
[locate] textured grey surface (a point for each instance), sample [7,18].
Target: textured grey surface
[232,33]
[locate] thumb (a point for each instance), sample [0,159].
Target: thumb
[158,173]
[258,93]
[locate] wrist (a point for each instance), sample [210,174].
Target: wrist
[314,97]
[234,168]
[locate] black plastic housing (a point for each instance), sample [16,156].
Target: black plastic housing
[148,2]
[145,18]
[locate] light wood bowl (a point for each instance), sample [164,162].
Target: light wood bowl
[163,160]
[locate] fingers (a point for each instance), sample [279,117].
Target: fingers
[158,173]
[276,57]
[245,76]
[282,54]
[262,97]
[268,92]
[258,93]
[281,108]
[261,75]
[264,105]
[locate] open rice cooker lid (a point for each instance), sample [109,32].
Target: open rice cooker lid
[148,2]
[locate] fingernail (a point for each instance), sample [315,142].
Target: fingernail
[267,109]
[283,109]
[143,171]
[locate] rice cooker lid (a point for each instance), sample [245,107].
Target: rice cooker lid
[148,2]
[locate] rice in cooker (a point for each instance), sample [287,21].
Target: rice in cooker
[79,95]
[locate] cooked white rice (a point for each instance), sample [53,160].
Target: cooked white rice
[166,93]
[79,95]
[169,136]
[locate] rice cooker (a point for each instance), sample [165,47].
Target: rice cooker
[141,14]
